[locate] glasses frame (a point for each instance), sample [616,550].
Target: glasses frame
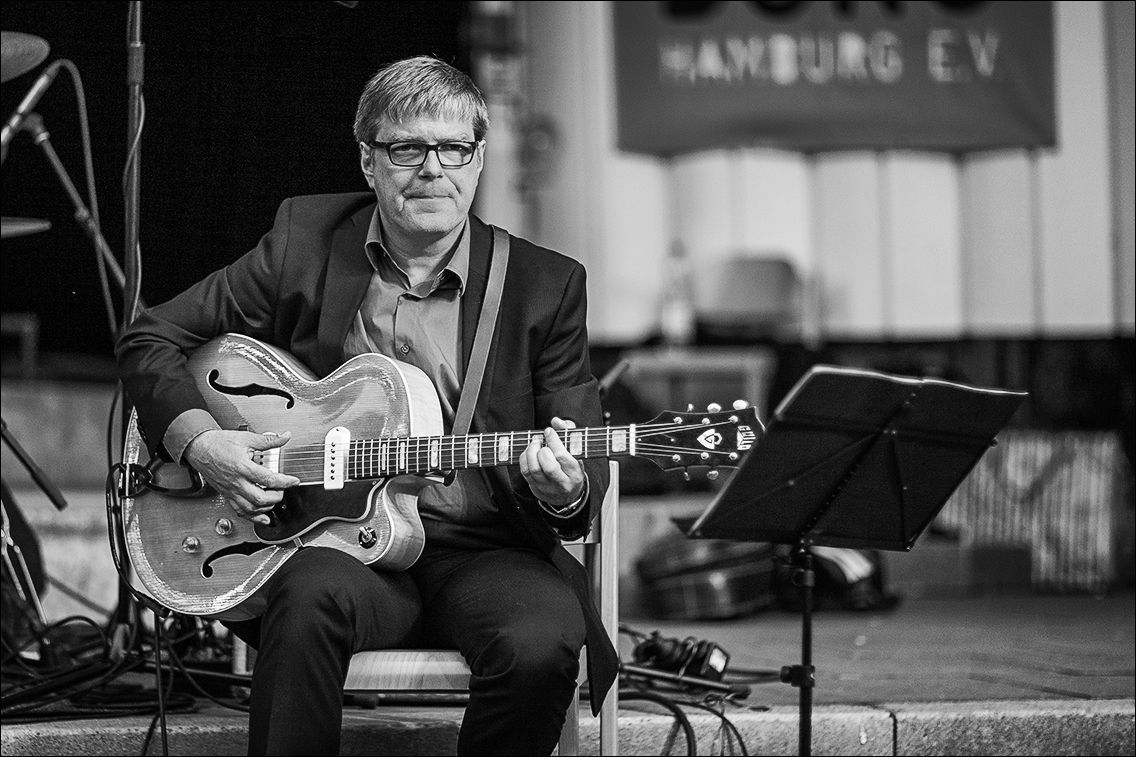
[430,147]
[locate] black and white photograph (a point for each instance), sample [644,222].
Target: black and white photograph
[578,377]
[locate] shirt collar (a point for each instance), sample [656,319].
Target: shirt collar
[459,261]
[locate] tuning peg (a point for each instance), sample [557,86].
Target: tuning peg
[740,404]
[685,474]
[712,474]
[713,407]
[690,407]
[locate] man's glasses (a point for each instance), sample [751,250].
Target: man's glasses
[410,154]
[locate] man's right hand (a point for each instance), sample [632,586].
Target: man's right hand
[225,460]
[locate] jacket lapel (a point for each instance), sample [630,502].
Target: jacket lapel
[348,274]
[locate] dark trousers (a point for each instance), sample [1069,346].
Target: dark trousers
[509,612]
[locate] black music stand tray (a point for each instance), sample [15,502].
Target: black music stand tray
[852,458]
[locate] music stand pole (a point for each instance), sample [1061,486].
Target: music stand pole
[803,676]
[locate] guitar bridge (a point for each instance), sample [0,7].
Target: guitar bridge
[336,445]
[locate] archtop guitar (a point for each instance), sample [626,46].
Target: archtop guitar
[365,440]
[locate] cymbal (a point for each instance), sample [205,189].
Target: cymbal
[18,227]
[20,53]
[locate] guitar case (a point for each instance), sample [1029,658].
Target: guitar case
[706,579]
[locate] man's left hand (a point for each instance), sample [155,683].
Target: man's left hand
[554,476]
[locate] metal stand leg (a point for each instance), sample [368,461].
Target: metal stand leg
[803,676]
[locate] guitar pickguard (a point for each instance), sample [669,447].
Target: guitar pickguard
[305,507]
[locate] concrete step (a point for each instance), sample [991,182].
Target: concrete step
[965,728]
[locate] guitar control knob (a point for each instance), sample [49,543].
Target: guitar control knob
[224,527]
[190,544]
[367,537]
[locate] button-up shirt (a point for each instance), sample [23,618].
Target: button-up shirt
[421,325]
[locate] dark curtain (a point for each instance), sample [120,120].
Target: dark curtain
[246,103]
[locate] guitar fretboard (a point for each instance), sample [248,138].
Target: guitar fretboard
[368,459]
[711,439]
[390,456]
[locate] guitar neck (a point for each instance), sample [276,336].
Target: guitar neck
[368,459]
[390,456]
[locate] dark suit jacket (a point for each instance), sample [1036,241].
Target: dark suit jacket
[299,290]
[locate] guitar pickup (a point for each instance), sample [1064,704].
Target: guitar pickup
[336,445]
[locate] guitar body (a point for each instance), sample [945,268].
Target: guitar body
[194,555]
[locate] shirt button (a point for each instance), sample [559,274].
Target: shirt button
[404,349]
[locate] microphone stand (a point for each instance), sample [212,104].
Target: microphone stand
[37,474]
[22,581]
[42,137]
[135,55]
[126,613]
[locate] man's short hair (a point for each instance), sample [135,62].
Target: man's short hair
[415,87]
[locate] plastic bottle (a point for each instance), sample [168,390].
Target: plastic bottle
[676,309]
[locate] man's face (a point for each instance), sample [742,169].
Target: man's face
[423,202]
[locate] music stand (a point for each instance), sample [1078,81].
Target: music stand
[852,458]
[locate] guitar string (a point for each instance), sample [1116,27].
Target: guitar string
[413,453]
[316,450]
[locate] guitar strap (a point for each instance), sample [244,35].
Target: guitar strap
[475,372]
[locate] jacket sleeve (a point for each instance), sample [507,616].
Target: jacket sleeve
[152,352]
[564,387]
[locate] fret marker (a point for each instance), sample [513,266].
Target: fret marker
[471,453]
[435,454]
[618,440]
[504,447]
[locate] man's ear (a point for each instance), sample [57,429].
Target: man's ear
[367,164]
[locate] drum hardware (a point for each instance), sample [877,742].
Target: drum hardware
[11,226]
[15,565]
[20,53]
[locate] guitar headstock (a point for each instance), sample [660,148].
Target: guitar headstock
[715,438]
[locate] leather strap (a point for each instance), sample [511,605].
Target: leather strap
[475,372]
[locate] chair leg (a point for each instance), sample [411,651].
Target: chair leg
[570,735]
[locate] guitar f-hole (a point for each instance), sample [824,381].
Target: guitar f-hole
[248,390]
[245,548]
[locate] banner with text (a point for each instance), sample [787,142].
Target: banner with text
[814,76]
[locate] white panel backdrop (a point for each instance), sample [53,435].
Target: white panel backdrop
[898,244]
